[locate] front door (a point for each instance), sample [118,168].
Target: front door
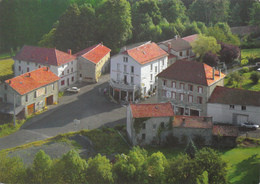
[30,109]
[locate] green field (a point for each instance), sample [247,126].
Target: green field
[6,71]
[250,53]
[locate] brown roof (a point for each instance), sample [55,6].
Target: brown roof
[191,38]
[225,130]
[151,110]
[191,71]
[224,95]
[44,56]
[192,122]
[177,44]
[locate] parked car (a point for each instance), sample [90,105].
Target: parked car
[73,90]
[249,125]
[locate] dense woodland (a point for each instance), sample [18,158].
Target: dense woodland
[76,24]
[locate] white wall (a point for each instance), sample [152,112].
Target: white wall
[223,114]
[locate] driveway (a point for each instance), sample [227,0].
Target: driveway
[91,107]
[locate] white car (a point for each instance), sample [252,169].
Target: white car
[73,90]
[249,125]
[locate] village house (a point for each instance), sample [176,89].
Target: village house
[29,92]
[178,48]
[188,86]
[145,122]
[64,65]
[133,71]
[199,129]
[93,62]
[234,106]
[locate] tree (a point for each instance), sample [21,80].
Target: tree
[99,170]
[48,39]
[191,149]
[211,59]
[191,29]
[114,22]
[255,14]
[254,77]
[228,53]
[205,44]
[70,169]
[237,78]
[210,161]
[173,10]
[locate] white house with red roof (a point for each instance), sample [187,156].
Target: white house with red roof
[60,63]
[133,71]
[30,92]
[92,62]
[144,121]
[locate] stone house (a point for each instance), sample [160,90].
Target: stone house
[188,86]
[234,106]
[178,48]
[93,62]
[29,92]
[133,71]
[196,128]
[148,123]
[64,65]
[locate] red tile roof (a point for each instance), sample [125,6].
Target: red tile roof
[32,80]
[94,53]
[152,110]
[44,56]
[192,122]
[225,130]
[191,71]
[232,96]
[190,38]
[146,53]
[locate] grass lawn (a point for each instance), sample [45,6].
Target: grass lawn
[6,71]
[246,83]
[243,165]
[250,53]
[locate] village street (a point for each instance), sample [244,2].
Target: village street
[91,107]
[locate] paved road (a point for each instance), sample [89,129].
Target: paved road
[89,106]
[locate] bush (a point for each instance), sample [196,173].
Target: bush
[245,69]
[244,62]
[199,140]
[255,76]
[172,140]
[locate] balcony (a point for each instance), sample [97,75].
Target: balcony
[122,86]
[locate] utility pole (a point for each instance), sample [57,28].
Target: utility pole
[14,110]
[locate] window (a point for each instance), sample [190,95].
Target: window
[231,106]
[143,137]
[162,62]
[71,70]
[5,87]
[80,75]
[200,89]
[173,84]
[190,87]
[72,79]
[151,76]
[35,94]
[46,90]
[63,82]
[173,95]
[19,68]
[132,80]
[118,76]
[125,68]
[126,59]
[26,98]
[151,87]
[52,86]
[243,107]
[181,97]
[125,79]
[151,67]
[68,71]
[164,93]
[155,69]
[190,98]
[143,126]
[28,69]
[180,53]
[181,86]
[72,63]
[63,73]
[164,82]
[118,66]
[154,126]
[162,124]
[199,99]
[132,69]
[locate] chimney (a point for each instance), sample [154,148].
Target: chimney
[69,51]
[169,47]
[213,73]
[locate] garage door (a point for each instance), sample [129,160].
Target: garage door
[30,109]
[241,118]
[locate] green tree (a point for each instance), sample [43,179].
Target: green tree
[191,149]
[48,39]
[99,170]
[235,76]
[254,77]
[70,169]
[210,161]
[114,22]
[255,14]
[205,44]
[191,29]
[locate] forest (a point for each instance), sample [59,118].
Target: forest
[77,24]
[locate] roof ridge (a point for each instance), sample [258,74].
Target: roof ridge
[91,49]
[141,45]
